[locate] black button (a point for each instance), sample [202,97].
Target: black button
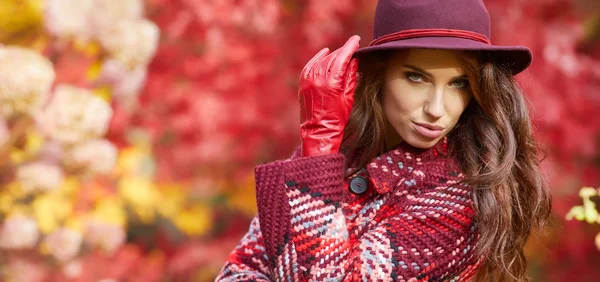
[358,185]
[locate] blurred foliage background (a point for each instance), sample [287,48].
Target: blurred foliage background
[129,129]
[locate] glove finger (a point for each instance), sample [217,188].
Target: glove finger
[341,61]
[351,75]
[350,85]
[308,67]
[332,58]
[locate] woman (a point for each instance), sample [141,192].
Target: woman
[424,170]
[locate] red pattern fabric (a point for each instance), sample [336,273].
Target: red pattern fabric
[414,223]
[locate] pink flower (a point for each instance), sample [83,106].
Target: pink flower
[73,269]
[107,13]
[75,115]
[126,83]
[21,269]
[84,18]
[25,80]
[39,176]
[19,232]
[93,156]
[69,18]
[107,236]
[51,152]
[64,244]
[131,42]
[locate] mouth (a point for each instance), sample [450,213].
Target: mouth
[428,130]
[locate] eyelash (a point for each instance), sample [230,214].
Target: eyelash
[421,78]
[409,76]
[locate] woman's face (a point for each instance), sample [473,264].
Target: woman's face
[425,91]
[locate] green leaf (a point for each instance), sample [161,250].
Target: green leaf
[576,212]
[591,214]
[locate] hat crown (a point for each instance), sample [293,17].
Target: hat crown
[397,15]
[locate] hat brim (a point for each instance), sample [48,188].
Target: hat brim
[514,58]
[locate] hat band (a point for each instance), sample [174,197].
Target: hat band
[430,32]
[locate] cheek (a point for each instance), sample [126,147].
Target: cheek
[400,101]
[458,105]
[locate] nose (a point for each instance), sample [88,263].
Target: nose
[434,106]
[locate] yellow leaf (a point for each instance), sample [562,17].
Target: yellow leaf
[40,43]
[244,198]
[16,189]
[6,202]
[94,71]
[130,159]
[70,186]
[17,156]
[141,194]
[49,210]
[44,248]
[194,221]
[19,16]
[138,191]
[11,194]
[145,214]
[244,201]
[75,222]
[19,209]
[89,48]
[172,199]
[34,142]
[104,93]
[110,210]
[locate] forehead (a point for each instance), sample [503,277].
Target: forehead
[430,60]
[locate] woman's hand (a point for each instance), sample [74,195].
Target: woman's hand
[326,95]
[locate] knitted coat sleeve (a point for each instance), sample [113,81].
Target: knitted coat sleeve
[248,261]
[423,231]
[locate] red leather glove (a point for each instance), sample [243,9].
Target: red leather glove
[326,96]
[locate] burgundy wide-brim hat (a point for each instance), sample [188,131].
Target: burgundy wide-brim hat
[441,24]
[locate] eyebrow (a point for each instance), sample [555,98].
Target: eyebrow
[415,68]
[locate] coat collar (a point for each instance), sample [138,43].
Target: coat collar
[390,169]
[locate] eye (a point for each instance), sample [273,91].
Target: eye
[414,77]
[461,83]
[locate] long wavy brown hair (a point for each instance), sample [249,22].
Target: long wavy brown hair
[497,154]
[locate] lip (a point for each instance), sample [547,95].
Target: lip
[430,126]
[429,130]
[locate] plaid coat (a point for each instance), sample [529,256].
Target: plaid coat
[415,222]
